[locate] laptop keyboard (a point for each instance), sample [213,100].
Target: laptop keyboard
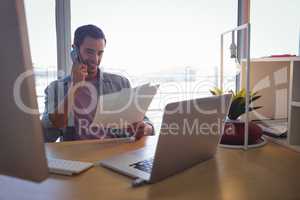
[144,165]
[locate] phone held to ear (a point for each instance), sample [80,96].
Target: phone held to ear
[75,55]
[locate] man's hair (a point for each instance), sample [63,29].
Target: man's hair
[87,30]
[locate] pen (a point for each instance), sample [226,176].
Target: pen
[138,182]
[121,139]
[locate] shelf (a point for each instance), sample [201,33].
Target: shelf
[295,103]
[283,142]
[296,82]
[274,59]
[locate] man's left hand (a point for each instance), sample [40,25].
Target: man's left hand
[140,129]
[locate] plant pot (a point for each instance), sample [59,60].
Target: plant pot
[234,133]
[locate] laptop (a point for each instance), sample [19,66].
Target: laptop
[190,133]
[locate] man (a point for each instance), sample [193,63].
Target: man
[89,44]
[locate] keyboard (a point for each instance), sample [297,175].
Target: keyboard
[67,167]
[144,165]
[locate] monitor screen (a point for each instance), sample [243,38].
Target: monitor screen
[22,152]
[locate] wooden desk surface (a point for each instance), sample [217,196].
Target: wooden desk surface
[270,172]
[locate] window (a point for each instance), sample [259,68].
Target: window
[275,27]
[42,38]
[175,43]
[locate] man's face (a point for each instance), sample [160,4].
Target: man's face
[91,51]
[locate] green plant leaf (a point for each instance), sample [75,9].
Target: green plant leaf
[237,107]
[254,98]
[254,108]
[216,91]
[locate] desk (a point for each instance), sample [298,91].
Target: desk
[270,172]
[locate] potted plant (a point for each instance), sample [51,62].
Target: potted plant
[234,126]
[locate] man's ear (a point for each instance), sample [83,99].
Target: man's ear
[75,47]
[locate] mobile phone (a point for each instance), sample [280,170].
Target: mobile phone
[75,55]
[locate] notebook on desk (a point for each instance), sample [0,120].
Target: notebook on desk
[277,128]
[120,109]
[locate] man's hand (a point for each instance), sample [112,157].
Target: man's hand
[140,129]
[79,72]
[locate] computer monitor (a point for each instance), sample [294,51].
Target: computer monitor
[22,152]
[299,44]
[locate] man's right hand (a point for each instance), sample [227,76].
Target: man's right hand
[79,72]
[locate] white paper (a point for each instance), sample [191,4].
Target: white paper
[120,109]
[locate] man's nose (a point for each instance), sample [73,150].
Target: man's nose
[94,59]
